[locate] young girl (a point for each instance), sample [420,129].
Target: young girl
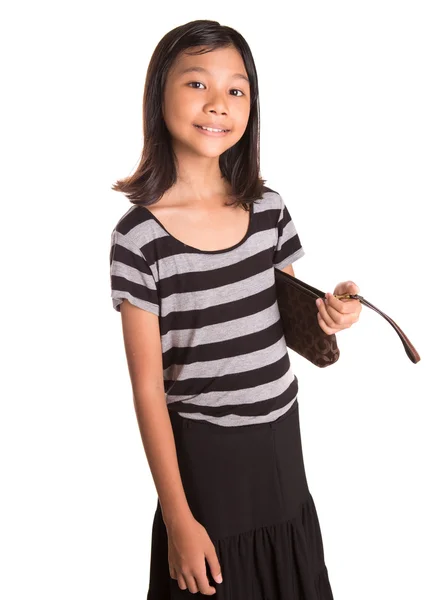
[214,391]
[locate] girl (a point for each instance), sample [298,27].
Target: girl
[214,391]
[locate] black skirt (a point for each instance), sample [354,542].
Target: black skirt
[247,486]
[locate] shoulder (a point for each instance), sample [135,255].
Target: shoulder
[271,204]
[271,199]
[134,227]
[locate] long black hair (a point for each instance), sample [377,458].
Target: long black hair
[156,171]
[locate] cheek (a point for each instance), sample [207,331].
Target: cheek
[241,125]
[241,116]
[181,111]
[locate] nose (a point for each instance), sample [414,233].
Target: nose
[217,106]
[218,112]
[223,112]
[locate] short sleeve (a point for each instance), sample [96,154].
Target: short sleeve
[288,248]
[130,275]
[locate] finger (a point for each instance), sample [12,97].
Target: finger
[328,330]
[347,287]
[350,317]
[343,306]
[191,583]
[182,584]
[203,584]
[214,565]
[322,310]
[202,579]
[354,288]
[337,318]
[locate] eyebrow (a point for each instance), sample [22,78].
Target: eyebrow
[202,70]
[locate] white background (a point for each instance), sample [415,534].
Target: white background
[347,129]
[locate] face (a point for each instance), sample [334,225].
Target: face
[210,89]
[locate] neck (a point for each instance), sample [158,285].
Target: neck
[199,179]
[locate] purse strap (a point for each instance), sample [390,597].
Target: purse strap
[411,351]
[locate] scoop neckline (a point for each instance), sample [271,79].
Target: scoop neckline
[246,235]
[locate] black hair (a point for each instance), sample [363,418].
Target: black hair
[156,171]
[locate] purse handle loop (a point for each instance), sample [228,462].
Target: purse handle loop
[411,351]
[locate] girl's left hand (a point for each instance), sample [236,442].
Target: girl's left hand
[334,314]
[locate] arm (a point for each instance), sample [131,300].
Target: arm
[143,350]
[289,269]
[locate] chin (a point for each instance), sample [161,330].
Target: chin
[211,153]
[208,147]
[210,150]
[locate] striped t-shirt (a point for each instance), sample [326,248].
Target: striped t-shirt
[225,358]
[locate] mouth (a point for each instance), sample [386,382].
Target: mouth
[213,131]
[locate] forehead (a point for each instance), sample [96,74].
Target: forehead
[225,62]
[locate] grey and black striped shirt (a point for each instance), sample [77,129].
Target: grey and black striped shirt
[225,358]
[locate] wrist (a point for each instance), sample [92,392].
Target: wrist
[172,517]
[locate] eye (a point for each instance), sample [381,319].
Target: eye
[195,82]
[192,83]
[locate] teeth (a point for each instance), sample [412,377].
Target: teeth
[211,129]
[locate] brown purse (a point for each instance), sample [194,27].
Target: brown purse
[303,334]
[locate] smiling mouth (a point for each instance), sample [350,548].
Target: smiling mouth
[212,129]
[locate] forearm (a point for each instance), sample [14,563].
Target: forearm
[159,444]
